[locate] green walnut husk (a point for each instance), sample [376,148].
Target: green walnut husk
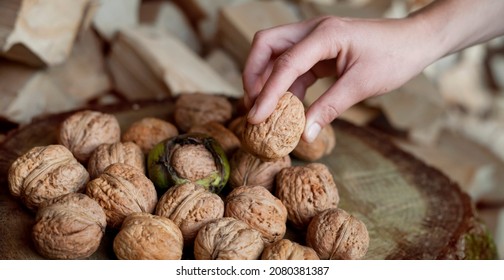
[164,176]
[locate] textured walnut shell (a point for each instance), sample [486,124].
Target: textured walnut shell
[190,207]
[148,237]
[334,234]
[247,169]
[226,138]
[257,207]
[44,173]
[288,250]
[107,154]
[279,134]
[321,146]
[70,226]
[84,131]
[147,132]
[122,190]
[227,239]
[306,191]
[237,126]
[196,109]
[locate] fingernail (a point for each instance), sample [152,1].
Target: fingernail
[312,132]
[252,112]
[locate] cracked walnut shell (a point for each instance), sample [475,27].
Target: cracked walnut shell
[83,131]
[70,226]
[190,207]
[334,234]
[145,236]
[306,191]
[288,250]
[249,170]
[321,146]
[44,173]
[197,108]
[107,154]
[147,132]
[262,211]
[280,133]
[227,239]
[122,190]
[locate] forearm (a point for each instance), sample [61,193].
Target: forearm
[457,24]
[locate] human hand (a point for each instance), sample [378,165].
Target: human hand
[369,57]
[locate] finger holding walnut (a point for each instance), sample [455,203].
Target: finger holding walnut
[107,154]
[44,173]
[323,145]
[147,132]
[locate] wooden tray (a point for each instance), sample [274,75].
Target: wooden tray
[412,211]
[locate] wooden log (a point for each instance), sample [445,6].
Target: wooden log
[238,24]
[168,16]
[150,63]
[29,92]
[40,33]
[113,15]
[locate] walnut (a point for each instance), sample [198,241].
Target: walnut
[195,109]
[147,132]
[247,169]
[288,250]
[122,190]
[70,226]
[237,126]
[227,239]
[334,234]
[306,191]
[44,173]
[190,207]
[279,134]
[257,207]
[193,162]
[145,236]
[82,132]
[321,146]
[107,154]
[226,138]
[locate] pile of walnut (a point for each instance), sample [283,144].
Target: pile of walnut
[164,188]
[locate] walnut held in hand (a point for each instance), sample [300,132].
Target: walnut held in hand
[280,133]
[70,226]
[334,234]
[44,173]
[247,169]
[321,146]
[122,190]
[84,131]
[258,208]
[148,237]
[305,191]
[288,250]
[196,109]
[190,207]
[147,132]
[227,239]
[107,154]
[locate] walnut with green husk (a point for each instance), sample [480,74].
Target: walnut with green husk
[247,169]
[321,146]
[70,226]
[148,237]
[288,250]
[193,157]
[190,207]
[280,133]
[258,208]
[147,132]
[334,234]
[306,191]
[45,172]
[122,190]
[197,109]
[227,239]
[84,131]
[107,154]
